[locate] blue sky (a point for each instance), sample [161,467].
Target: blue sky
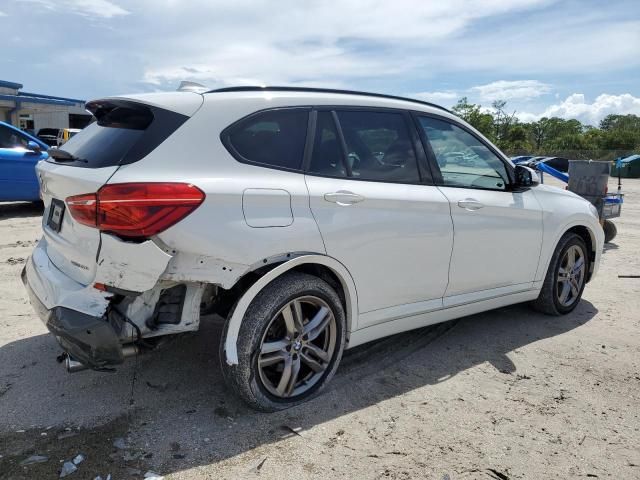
[575,59]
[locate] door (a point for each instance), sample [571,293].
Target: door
[18,180]
[392,231]
[498,230]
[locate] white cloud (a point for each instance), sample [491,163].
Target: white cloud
[302,42]
[511,90]
[2,14]
[498,90]
[87,8]
[576,106]
[446,96]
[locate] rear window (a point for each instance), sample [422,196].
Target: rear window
[123,133]
[274,138]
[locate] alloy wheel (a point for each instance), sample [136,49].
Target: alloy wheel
[297,347]
[571,275]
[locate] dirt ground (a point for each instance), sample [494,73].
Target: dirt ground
[506,394]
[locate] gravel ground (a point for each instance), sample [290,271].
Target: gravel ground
[506,394]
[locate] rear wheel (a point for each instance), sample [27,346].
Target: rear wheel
[290,343]
[566,277]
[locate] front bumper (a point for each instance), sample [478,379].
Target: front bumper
[89,337]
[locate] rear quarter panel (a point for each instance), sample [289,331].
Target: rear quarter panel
[217,235]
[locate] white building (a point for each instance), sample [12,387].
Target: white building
[33,111]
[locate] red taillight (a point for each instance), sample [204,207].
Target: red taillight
[83,208]
[136,210]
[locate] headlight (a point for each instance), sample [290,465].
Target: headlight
[594,211]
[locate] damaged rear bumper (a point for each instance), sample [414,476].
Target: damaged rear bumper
[84,331]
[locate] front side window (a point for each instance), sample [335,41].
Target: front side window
[464,161]
[11,139]
[273,138]
[378,147]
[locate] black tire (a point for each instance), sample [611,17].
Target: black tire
[245,378]
[548,301]
[610,231]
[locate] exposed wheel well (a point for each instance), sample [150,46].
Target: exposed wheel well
[225,299]
[586,235]
[326,274]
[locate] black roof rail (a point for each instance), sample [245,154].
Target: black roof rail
[322,90]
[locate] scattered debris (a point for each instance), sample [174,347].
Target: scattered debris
[15,261]
[295,431]
[67,469]
[175,446]
[161,387]
[153,476]
[5,389]
[119,443]
[67,434]
[258,467]
[78,459]
[179,456]
[496,474]
[34,459]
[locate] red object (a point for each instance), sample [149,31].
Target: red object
[100,286]
[135,210]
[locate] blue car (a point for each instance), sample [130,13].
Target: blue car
[19,153]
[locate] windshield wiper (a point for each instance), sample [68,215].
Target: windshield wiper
[63,156]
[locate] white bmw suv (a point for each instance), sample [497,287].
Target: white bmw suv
[312,220]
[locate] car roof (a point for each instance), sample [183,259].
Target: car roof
[310,90]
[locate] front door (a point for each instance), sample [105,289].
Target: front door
[18,179]
[498,231]
[392,232]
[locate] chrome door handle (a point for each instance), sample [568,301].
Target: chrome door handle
[343,198]
[470,204]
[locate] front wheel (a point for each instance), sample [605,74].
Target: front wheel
[290,343]
[566,277]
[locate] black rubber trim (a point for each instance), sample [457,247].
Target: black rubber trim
[251,88]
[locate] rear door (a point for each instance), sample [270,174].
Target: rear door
[498,231]
[124,132]
[378,213]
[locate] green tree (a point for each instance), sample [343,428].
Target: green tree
[472,114]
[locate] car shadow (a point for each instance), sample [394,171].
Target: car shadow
[176,396]
[20,209]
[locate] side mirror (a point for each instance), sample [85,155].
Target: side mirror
[526,177]
[34,147]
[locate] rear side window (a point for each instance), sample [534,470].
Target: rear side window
[378,147]
[124,132]
[274,138]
